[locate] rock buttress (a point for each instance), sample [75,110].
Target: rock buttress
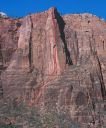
[36,91]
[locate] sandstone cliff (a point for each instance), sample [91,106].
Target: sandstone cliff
[53,71]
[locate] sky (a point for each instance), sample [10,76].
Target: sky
[20,8]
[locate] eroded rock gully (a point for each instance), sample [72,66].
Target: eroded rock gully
[53,71]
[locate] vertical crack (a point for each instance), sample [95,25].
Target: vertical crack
[61,24]
[98,69]
[76,49]
[30,44]
[100,76]
[1,87]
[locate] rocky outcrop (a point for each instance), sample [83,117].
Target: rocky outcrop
[53,71]
[3,15]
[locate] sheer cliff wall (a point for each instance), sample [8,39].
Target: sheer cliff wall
[56,64]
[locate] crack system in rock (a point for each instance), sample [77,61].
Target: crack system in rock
[30,45]
[61,25]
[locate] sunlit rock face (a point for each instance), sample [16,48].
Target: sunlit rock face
[53,71]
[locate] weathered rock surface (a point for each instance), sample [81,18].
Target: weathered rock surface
[53,71]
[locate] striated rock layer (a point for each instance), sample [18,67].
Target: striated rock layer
[53,71]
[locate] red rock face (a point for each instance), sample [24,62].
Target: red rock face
[56,65]
[8,39]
